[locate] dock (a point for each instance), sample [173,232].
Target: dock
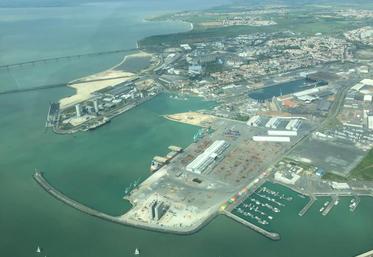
[53,113]
[330,205]
[270,235]
[308,205]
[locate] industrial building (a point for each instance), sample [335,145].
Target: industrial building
[370,122]
[199,164]
[282,133]
[158,209]
[255,121]
[273,123]
[293,125]
[78,110]
[271,139]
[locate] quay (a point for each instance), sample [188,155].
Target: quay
[308,205]
[270,235]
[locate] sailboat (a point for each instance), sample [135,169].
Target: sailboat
[137,251]
[38,250]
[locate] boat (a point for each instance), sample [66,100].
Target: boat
[336,202]
[322,208]
[326,203]
[137,251]
[270,217]
[94,126]
[155,166]
[38,249]
[353,206]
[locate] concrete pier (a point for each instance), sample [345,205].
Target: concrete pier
[330,205]
[270,235]
[308,205]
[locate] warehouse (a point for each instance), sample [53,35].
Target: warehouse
[199,164]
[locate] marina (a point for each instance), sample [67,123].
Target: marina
[262,208]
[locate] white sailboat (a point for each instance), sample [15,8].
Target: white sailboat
[38,249]
[137,251]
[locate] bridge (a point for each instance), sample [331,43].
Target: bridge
[67,57]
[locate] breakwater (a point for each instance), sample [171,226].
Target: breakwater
[39,178]
[270,235]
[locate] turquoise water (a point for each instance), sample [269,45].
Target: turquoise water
[38,33]
[135,63]
[95,167]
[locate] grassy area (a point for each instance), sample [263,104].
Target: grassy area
[364,171]
[333,177]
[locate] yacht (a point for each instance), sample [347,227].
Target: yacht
[137,251]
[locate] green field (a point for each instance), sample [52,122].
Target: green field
[364,171]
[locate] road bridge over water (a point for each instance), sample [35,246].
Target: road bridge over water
[67,57]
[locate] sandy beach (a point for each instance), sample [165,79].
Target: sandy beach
[86,86]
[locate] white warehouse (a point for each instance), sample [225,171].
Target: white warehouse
[271,139]
[293,125]
[199,164]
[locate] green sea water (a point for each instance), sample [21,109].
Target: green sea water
[96,167]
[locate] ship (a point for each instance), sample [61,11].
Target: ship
[38,249]
[137,251]
[353,206]
[94,126]
[154,166]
